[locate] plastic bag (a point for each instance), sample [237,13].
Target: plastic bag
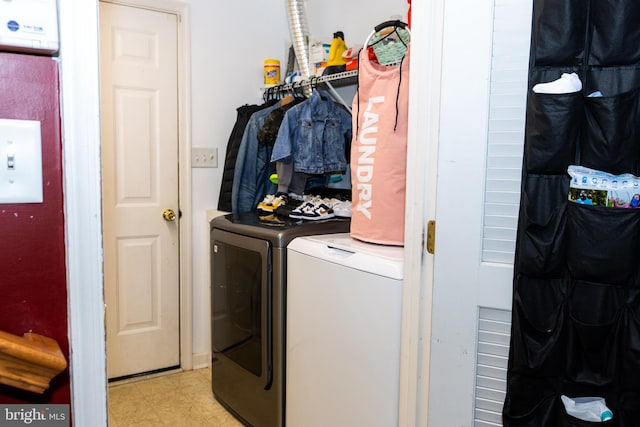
[587,408]
[594,187]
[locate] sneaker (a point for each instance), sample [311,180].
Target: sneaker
[567,83]
[316,210]
[320,211]
[306,204]
[342,208]
[298,212]
[293,201]
[271,202]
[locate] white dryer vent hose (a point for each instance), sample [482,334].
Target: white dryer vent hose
[299,35]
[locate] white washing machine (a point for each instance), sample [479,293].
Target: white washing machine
[344,301]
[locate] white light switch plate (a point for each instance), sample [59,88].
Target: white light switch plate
[20,161]
[204,157]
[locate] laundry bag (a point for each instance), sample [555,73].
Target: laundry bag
[379,151]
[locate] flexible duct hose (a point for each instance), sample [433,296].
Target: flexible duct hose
[299,35]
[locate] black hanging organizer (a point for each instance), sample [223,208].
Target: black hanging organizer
[576,288]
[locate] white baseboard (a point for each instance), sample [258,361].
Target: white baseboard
[201,360]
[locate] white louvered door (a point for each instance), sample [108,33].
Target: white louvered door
[484,83]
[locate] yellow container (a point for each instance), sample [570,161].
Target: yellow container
[271,71]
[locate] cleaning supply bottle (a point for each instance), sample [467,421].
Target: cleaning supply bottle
[336,63]
[338,46]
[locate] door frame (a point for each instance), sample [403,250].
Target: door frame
[80,83]
[420,206]
[80,102]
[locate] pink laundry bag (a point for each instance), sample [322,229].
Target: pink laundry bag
[379,151]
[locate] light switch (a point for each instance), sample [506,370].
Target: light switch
[20,161]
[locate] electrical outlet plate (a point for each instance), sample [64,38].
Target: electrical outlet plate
[204,157]
[20,161]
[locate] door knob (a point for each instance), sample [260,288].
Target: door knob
[168,215]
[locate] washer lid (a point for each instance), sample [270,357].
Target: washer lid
[387,261]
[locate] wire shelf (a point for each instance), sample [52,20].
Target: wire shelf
[344,78]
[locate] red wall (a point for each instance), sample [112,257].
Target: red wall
[33,290]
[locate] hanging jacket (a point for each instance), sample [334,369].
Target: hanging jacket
[313,135]
[231,155]
[251,175]
[269,131]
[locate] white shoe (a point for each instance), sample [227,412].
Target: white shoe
[567,83]
[342,208]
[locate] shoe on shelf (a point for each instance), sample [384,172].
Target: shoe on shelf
[313,210]
[307,203]
[342,208]
[298,212]
[321,210]
[292,202]
[271,202]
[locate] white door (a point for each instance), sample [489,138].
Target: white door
[139,99]
[484,78]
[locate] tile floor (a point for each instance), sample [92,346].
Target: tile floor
[181,399]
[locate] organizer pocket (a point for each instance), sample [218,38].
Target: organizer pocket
[630,356]
[558,32]
[628,412]
[541,240]
[538,332]
[594,333]
[569,421]
[531,406]
[615,33]
[611,137]
[611,81]
[553,128]
[602,243]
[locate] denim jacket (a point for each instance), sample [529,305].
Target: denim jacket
[313,135]
[251,174]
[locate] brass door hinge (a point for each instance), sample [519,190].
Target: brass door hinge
[431,236]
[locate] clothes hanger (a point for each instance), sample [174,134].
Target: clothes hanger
[268,94]
[297,89]
[287,95]
[287,99]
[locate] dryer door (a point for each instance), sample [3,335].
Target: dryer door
[241,332]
